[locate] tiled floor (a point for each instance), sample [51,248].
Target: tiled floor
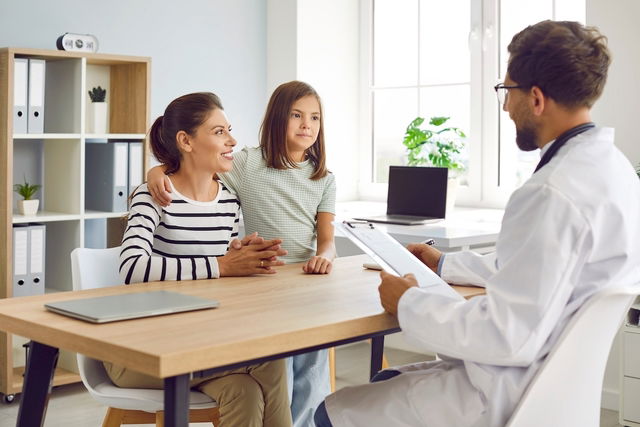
[71,406]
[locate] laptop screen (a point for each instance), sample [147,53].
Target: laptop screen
[417,191]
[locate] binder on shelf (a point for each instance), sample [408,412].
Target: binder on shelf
[35,122]
[28,259]
[20,94]
[106,176]
[135,166]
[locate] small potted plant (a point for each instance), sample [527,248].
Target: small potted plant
[27,206]
[437,145]
[97,111]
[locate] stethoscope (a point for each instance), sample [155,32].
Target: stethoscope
[561,140]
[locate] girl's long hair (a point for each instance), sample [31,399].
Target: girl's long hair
[273,131]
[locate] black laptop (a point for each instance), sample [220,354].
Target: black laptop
[416,195]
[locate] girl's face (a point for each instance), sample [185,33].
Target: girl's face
[212,143]
[303,126]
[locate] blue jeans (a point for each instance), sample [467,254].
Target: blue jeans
[321,417]
[308,380]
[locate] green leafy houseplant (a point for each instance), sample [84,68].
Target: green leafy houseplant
[26,190]
[97,94]
[436,145]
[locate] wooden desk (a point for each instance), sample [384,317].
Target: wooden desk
[260,318]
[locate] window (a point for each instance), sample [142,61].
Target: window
[427,58]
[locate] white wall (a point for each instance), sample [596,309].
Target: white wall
[195,45]
[619,107]
[325,55]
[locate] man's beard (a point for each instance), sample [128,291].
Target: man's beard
[526,137]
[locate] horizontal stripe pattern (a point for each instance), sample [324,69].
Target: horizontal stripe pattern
[177,242]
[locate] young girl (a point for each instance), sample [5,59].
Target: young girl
[286,191]
[189,240]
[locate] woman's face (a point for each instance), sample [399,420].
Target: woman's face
[212,143]
[303,126]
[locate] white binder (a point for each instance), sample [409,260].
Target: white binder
[393,257]
[35,123]
[20,94]
[135,166]
[28,259]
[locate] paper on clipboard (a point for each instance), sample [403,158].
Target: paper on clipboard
[393,257]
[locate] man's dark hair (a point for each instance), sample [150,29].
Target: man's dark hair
[566,60]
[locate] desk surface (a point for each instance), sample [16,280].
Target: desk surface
[463,228]
[258,316]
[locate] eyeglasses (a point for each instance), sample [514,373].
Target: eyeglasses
[502,91]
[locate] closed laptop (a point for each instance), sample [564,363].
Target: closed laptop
[112,308]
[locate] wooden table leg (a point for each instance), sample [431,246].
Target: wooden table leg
[37,384]
[176,401]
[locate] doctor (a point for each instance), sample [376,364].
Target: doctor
[569,231]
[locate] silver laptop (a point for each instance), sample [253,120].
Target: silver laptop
[415,195]
[112,308]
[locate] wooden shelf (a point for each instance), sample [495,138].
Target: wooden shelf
[128,136]
[61,377]
[46,136]
[56,159]
[88,214]
[45,216]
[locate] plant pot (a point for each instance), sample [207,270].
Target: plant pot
[97,118]
[452,192]
[28,207]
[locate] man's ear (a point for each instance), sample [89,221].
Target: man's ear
[184,142]
[538,100]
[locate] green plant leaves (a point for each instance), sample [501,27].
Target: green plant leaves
[26,190]
[439,145]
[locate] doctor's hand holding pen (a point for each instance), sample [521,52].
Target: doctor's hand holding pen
[429,255]
[392,288]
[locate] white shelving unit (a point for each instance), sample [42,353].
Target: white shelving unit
[630,369]
[56,160]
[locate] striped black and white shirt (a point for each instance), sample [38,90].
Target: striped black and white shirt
[179,242]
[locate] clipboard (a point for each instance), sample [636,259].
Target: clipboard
[393,257]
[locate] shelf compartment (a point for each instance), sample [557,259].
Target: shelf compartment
[63,99]
[61,377]
[127,94]
[54,164]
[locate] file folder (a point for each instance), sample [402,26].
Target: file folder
[20,260]
[35,122]
[135,166]
[28,259]
[106,176]
[20,94]
[36,259]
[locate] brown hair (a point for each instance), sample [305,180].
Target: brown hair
[566,60]
[185,113]
[273,131]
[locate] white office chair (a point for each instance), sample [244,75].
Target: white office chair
[567,389]
[98,268]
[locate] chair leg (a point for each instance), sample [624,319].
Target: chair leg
[215,416]
[160,419]
[332,368]
[113,418]
[385,362]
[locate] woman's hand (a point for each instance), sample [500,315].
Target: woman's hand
[318,265]
[252,258]
[159,186]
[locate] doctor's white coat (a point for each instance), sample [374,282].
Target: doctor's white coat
[572,229]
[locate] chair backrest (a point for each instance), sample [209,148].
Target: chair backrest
[567,389]
[95,268]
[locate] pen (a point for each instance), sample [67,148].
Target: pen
[429,242]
